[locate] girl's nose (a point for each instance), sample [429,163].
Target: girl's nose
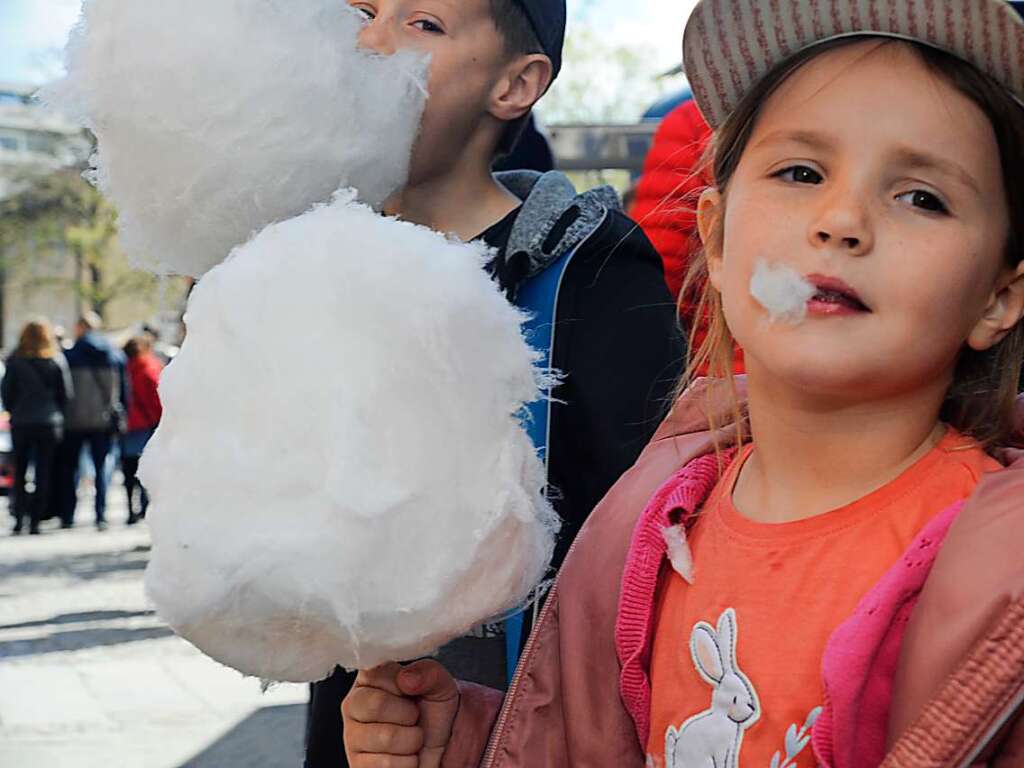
[842,223]
[850,243]
[378,36]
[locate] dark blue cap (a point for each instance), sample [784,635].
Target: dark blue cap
[548,20]
[1019,7]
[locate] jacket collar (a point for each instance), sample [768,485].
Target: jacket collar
[554,219]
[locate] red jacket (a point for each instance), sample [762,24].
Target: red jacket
[144,409]
[666,201]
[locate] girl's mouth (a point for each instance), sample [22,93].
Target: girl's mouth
[834,297]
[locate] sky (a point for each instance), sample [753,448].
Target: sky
[32,32]
[656,25]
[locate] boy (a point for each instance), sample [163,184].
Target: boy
[617,340]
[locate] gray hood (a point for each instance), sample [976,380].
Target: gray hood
[554,219]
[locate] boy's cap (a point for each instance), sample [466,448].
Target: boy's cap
[729,45]
[548,20]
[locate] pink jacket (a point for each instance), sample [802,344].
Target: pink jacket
[581,697]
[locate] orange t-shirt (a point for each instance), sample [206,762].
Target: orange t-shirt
[737,655]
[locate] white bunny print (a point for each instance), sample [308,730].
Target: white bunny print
[713,738]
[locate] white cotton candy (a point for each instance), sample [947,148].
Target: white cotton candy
[782,291]
[340,476]
[218,117]
[678,551]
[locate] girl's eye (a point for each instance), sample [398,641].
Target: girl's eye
[365,12]
[800,174]
[924,200]
[428,26]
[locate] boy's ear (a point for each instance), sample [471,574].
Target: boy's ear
[1005,309]
[709,211]
[524,81]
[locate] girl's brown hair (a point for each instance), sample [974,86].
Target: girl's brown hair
[36,340]
[982,399]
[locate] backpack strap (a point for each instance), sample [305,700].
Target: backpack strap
[538,296]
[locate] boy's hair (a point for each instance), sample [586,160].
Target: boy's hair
[520,39]
[981,402]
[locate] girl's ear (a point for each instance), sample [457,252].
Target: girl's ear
[709,212]
[1005,309]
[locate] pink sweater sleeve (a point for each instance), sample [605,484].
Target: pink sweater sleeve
[478,710]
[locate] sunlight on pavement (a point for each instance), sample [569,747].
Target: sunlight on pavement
[91,678]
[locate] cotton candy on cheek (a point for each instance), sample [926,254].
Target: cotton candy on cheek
[782,291]
[218,117]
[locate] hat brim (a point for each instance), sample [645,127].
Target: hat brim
[730,45]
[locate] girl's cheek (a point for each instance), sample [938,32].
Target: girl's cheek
[737,304]
[946,281]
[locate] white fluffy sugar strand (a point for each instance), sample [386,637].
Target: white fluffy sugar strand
[782,291]
[679,554]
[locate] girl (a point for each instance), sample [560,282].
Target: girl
[764,587]
[36,387]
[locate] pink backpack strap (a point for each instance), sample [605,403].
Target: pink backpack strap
[674,503]
[859,663]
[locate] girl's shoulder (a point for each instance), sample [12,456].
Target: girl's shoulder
[988,535]
[967,454]
[978,573]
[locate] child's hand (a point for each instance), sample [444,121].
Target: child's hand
[400,717]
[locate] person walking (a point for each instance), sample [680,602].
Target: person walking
[36,387]
[95,415]
[144,411]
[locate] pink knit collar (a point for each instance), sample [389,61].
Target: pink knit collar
[674,503]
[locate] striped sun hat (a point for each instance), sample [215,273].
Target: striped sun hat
[729,45]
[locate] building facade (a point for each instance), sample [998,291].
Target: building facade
[33,137]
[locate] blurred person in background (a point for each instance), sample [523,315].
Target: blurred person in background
[36,387]
[60,337]
[664,203]
[144,411]
[94,417]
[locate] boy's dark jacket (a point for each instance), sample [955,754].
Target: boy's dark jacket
[617,342]
[617,338]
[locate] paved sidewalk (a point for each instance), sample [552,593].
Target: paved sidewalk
[91,678]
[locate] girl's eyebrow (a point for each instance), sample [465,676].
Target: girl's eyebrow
[452,7]
[919,160]
[812,139]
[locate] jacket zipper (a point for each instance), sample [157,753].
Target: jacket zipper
[524,659]
[997,724]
